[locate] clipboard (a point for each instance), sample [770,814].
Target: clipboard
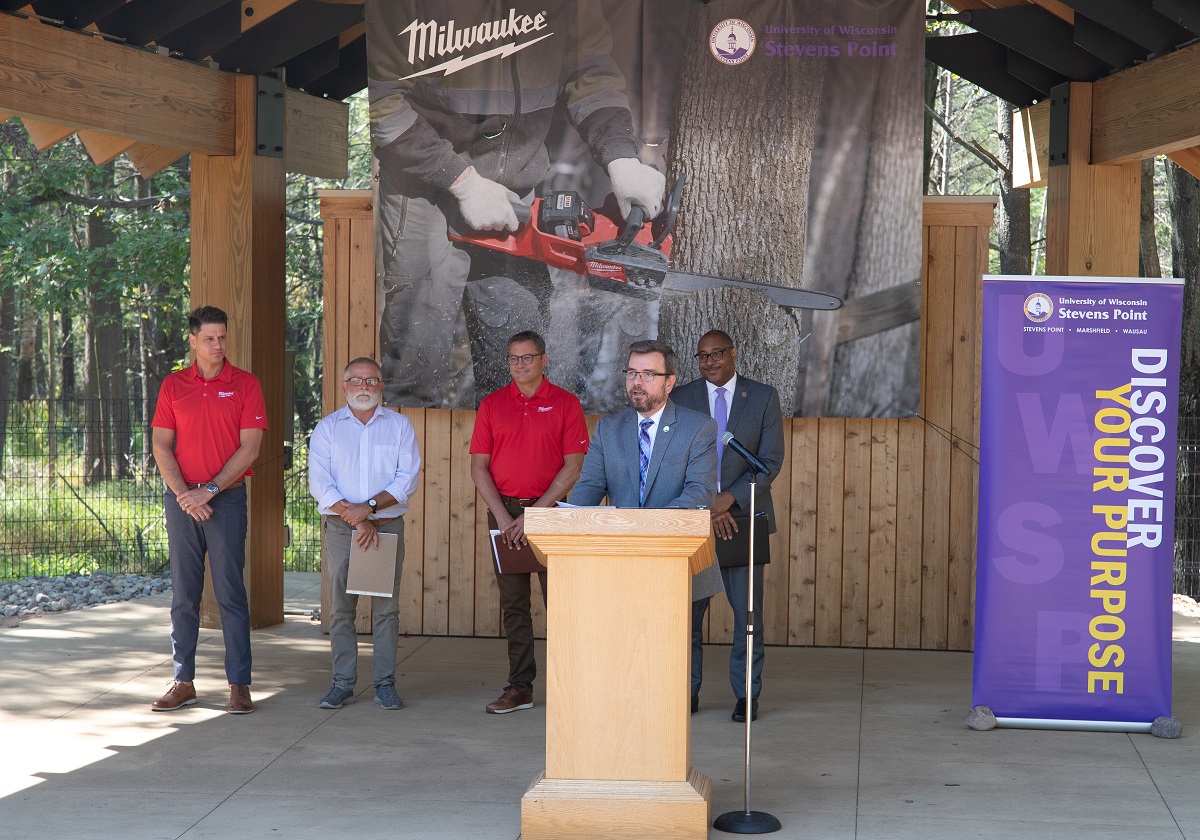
[736,552]
[514,561]
[373,570]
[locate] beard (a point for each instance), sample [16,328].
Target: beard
[645,402]
[364,400]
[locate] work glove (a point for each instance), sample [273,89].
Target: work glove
[484,204]
[635,182]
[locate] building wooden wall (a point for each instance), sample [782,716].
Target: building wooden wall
[876,544]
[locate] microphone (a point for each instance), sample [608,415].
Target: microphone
[758,466]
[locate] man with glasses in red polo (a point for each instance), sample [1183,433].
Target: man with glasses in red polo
[527,449]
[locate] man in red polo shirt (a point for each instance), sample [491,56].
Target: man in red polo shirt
[526,451]
[208,426]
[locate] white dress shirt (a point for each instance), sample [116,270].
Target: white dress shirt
[356,461]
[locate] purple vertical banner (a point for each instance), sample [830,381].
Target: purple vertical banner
[1077,439]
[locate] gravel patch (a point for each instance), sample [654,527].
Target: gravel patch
[33,596]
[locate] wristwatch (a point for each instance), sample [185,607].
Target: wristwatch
[374,505]
[212,487]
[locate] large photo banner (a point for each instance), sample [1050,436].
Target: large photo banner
[1078,414]
[771,142]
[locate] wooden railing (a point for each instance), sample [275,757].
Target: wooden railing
[876,538]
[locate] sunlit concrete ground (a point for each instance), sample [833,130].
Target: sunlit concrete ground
[851,744]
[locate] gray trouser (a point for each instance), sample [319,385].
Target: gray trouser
[737,588]
[223,538]
[343,637]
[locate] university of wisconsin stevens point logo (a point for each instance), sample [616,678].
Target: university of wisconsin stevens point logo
[1038,307]
[731,41]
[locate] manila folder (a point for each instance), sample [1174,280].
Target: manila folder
[373,570]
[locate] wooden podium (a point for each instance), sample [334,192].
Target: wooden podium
[618,692]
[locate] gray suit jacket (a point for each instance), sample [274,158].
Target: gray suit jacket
[682,472]
[757,422]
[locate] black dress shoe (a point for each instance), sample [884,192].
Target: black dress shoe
[695,703]
[739,711]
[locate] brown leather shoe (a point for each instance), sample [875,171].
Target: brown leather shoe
[180,694]
[239,700]
[513,699]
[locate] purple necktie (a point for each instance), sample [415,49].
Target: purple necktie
[722,418]
[643,457]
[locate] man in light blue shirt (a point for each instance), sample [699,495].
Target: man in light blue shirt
[362,469]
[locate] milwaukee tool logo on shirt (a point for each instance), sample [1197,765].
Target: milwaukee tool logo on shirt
[226,393]
[542,408]
[431,39]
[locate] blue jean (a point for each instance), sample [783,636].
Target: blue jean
[223,538]
[737,582]
[343,636]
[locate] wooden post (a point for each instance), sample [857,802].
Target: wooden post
[1092,218]
[238,265]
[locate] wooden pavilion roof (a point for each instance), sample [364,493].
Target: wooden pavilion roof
[1022,49]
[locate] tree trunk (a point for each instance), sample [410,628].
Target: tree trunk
[154,342]
[67,386]
[745,209]
[1148,262]
[879,375]
[8,335]
[106,386]
[1012,222]
[1184,194]
[26,382]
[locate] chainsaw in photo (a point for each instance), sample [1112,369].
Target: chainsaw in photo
[632,257]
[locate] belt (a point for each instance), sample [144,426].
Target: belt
[513,500]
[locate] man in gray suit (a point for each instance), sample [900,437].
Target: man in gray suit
[751,411]
[654,454]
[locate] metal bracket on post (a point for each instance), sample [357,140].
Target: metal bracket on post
[270,126]
[1060,123]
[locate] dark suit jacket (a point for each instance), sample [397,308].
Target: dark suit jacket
[757,422]
[682,472]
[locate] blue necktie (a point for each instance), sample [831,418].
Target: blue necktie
[643,457]
[722,418]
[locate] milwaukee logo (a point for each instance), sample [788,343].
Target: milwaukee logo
[433,40]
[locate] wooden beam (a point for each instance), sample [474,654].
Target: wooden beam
[104,148]
[1055,7]
[1031,145]
[149,159]
[58,76]
[352,34]
[1137,113]
[1149,109]
[1092,211]
[317,136]
[1188,159]
[44,135]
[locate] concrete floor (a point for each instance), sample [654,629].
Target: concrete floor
[851,744]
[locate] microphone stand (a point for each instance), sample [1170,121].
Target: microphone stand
[747,821]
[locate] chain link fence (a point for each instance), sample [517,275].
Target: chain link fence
[79,492]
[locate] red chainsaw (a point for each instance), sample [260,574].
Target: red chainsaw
[630,257]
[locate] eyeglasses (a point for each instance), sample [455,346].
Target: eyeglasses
[715,355]
[647,376]
[527,359]
[369,381]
